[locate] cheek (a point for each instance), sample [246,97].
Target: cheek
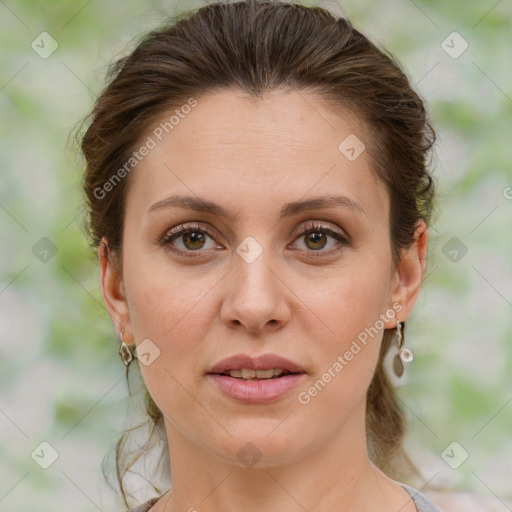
[349,303]
[346,329]
[163,300]
[172,312]
[172,308]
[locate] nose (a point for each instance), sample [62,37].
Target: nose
[256,297]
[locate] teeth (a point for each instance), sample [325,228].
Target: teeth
[248,374]
[245,373]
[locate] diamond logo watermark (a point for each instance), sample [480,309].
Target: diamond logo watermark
[249,454]
[44,250]
[147,352]
[249,249]
[351,147]
[454,45]
[44,45]
[454,455]
[44,455]
[454,249]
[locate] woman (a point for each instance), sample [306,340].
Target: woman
[259,197]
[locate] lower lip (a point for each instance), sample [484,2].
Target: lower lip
[257,391]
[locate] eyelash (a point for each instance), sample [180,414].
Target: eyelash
[176,233]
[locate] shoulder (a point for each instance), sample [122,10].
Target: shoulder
[455,501]
[422,503]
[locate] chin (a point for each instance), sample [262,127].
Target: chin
[260,443]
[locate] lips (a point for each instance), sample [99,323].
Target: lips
[256,391]
[261,362]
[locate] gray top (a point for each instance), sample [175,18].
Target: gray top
[422,503]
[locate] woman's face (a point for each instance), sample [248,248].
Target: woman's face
[254,282]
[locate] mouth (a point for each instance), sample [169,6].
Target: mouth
[260,366]
[256,379]
[250,374]
[256,390]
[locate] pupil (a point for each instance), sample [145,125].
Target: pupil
[316,238]
[195,237]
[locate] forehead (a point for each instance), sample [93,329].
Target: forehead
[300,119]
[230,148]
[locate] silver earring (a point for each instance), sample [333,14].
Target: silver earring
[397,357]
[124,351]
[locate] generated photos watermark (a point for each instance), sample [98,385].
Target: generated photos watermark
[151,142]
[362,339]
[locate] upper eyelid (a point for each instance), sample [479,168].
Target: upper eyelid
[190,226]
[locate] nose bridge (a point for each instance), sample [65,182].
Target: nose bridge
[253,265]
[254,293]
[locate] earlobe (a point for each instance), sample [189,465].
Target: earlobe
[112,289]
[410,272]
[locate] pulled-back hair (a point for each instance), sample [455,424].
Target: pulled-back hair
[255,47]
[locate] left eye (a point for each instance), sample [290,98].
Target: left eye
[316,237]
[194,238]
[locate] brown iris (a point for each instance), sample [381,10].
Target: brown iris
[317,238]
[195,237]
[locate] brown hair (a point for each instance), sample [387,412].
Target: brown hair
[256,47]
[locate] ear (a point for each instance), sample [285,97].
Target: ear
[112,289]
[408,276]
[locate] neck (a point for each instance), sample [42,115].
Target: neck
[334,475]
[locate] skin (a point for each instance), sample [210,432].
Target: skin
[252,158]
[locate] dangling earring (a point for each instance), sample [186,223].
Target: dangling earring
[124,351]
[397,357]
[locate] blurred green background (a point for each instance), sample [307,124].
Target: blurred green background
[61,380]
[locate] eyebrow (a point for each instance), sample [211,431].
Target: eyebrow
[288,210]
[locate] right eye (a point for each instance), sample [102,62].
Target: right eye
[192,238]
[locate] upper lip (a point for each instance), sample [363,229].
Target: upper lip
[257,362]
